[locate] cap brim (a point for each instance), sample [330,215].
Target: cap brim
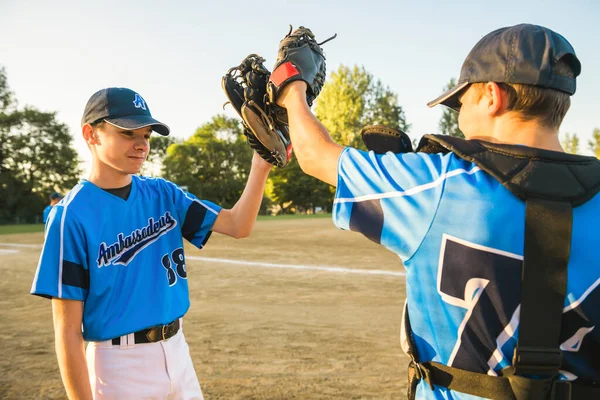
[140,121]
[450,97]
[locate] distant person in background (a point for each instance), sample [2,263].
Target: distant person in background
[54,198]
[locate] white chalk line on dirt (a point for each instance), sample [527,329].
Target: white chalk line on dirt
[323,268]
[303,267]
[8,251]
[31,246]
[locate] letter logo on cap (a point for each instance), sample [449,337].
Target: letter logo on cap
[138,102]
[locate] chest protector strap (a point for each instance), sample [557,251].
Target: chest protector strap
[551,184]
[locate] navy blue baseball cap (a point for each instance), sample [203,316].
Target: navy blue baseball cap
[55,196]
[122,108]
[522,54]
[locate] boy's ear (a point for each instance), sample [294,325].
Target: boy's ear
[87,131]
[496,99]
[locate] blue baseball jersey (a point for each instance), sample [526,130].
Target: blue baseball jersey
[460,235]
[46,213]
[123,258]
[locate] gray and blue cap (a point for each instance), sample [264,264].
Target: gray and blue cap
[522,54]
[122,108]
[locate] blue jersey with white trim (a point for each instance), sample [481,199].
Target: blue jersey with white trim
[123,258]
[46,213]
[460,235]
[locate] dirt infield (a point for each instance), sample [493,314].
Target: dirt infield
[255,332]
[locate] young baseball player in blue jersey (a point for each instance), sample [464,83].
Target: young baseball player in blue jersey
[497,233]
[113,261]
[54,199]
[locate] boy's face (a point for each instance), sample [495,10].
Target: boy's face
[121,150]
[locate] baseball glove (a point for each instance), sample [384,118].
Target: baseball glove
[382,139]
[265,125]
[300,57]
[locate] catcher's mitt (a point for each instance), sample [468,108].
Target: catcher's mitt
[265,125]
[382,139]
[300,57]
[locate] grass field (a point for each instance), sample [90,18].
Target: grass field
[31,228]
[23,228]
[256,331]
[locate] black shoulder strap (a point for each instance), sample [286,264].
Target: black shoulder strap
[526,171]
[543,287]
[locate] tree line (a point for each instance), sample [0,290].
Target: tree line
[37,156]
[570,143]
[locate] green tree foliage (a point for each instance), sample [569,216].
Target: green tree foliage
[570,143]
[449,120]
[294,190]
[213,163]
[158,151]
[595,142]
[6,96]
[353,98]
[36,158]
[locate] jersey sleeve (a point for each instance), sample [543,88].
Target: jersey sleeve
[62,270]
[197,216]
[46,213]
[389,198]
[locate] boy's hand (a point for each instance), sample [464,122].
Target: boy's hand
[292,95]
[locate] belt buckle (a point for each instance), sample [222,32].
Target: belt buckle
[164,332]
[417,368]
[561,390]
[421,373]
[167,330]
[539,361]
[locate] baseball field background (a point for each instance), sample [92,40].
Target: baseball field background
[300,310]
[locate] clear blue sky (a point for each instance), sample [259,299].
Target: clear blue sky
[174,53]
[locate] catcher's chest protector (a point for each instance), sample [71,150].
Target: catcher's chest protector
[551,184]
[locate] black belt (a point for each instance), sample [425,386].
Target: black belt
[154,334]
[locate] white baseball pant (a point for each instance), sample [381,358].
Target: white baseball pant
[161,370]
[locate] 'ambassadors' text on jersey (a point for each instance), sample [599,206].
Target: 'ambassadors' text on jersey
[123,258]
[460,234]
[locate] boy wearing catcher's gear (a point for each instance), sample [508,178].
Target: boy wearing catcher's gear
[498,233]
[113,260]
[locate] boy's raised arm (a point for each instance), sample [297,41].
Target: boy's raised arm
[238,221]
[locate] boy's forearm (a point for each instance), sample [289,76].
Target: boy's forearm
[70,352]
[316,152]
[245,211]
